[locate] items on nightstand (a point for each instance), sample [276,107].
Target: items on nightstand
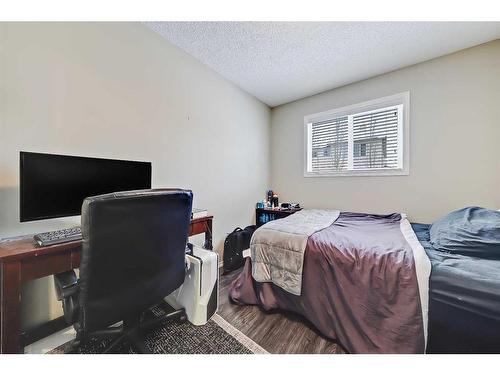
[272,200]
[264,215]
[275,201]
[287,206]
[269,210]
[270,195]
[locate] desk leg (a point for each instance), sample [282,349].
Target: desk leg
[10,314]
[208,235]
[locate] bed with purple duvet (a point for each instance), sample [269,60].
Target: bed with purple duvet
[377,284]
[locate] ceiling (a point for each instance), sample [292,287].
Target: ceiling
[279,62]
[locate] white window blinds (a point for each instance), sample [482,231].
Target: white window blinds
[356,142]
[330,145]
[375,137]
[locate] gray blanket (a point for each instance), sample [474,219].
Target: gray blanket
[278,247]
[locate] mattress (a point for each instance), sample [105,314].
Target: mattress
[464,306]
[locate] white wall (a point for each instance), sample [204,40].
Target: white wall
[454,139]
[118,90]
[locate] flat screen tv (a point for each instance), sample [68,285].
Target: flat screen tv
[55,185]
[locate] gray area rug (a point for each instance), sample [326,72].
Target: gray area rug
[215,337]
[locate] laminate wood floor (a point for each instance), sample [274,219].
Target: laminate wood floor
[277,332]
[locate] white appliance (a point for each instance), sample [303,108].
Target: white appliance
[199,294]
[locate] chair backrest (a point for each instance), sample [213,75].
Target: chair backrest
[133,252]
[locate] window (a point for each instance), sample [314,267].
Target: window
[366,139]
[359,149]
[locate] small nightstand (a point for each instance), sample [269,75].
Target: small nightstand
[264,215]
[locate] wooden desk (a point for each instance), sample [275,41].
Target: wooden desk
[23,260]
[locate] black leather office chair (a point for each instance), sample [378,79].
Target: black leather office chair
[133,255]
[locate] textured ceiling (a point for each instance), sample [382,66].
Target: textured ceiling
[279,62]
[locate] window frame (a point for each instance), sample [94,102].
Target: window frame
[402,98]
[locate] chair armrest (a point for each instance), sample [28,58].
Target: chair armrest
[66,284]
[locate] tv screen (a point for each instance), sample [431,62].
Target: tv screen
[56,185]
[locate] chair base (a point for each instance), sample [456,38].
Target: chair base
[132,331]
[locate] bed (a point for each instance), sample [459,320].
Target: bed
[369,301]
[464,308]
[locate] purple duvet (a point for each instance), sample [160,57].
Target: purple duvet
[364,284]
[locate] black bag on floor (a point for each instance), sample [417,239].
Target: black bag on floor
[236,241]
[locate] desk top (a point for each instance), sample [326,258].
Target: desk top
[27,247]
[17,249]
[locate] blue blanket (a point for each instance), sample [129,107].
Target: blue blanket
[464,300]
[473,231]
